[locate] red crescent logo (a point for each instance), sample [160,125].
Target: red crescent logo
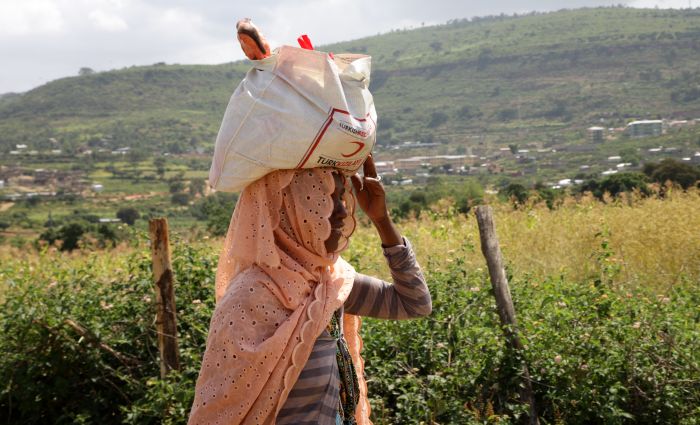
[361,146]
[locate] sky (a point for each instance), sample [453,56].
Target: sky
[42,40]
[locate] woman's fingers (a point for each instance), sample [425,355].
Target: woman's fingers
[253,43]
[373,185]
[356,182]
[368,167]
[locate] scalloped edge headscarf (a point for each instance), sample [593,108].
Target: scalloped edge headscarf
[274,266]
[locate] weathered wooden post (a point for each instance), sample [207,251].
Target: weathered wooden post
[504,303]
[166,320]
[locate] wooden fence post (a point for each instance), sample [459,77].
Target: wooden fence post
[504,303]
[166,320]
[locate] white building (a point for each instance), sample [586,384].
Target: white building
[596,134]
[110,220]
[645,128]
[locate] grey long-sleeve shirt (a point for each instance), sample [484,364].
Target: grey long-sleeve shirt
[315,396]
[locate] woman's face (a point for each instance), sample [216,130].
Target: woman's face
[338,215]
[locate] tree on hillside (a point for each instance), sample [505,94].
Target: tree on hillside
[159,163]
[630,155]
[176,186]
[128,215]
[674,171]
[196,187]
[516,192]
[180,198]
[85,71]
[70,234]
[216,210]
[437,118]
[617,184]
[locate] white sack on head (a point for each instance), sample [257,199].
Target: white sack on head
[295,109]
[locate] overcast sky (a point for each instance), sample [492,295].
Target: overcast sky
[41,40]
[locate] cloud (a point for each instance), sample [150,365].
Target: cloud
[35,17]
[107,22]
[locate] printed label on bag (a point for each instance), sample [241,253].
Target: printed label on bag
[343,141]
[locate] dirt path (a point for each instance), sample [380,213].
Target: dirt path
[4,206]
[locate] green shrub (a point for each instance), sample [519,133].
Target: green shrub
[596,354]
[53,375]
[674,171]
[180,198]
[216,210]
[616,184]
[128,215]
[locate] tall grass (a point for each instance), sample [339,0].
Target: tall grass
[654,242]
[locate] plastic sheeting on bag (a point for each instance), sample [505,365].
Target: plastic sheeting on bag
[297,108]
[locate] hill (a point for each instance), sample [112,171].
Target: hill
[486,81]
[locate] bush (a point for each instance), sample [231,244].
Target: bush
[616,184]
[74,378]
[70,235]
[80,234]
[515,192]
[596,354]
[216,210]
[128,215]
[181,198]
[437,119]
[684,175]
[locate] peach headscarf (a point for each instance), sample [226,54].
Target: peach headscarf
[276,289]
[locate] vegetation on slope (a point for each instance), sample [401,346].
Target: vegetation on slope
[536,77]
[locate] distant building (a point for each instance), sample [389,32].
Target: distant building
[2,182]
[409,164]
[121,151]
[680,123]
[385,167]
[614,158]
[415,163]
[596,134]
[645,128]
[110,220]
[97,187]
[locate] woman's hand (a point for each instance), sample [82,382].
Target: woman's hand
[371,197]
[369,192]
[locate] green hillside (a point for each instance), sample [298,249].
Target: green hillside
[535,78]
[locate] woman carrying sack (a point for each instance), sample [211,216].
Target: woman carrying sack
[284,344]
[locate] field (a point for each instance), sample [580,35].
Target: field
[606,296]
